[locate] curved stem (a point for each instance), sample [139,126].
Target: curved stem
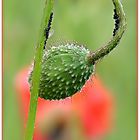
[37,70]
[120,27]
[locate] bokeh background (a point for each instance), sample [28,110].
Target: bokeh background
[88,22]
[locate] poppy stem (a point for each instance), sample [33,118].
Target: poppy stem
[37,70]
[120,26]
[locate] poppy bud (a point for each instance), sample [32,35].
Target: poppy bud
[65,69]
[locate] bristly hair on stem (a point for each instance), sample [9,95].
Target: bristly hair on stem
[120,26]
[47,29]
[37,70]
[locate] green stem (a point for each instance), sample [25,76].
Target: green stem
[101,52]
[37,71]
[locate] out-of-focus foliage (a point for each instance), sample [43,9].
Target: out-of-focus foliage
[87,22]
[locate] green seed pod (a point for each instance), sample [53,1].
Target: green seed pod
[65,69]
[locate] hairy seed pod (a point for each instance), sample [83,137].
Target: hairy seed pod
[65,69]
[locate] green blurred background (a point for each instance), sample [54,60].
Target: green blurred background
[88,22]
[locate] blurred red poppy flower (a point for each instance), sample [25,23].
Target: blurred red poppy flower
[89,111]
